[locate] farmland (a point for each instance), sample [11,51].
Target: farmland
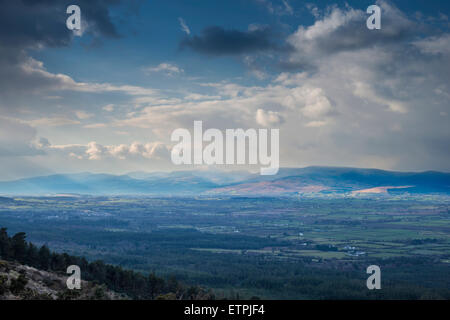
[220,242]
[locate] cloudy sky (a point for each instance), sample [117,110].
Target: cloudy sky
[107,98]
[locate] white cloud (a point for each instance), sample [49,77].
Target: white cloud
[364,91]
[344,30]
[167,68]
[268,118]
[95,125]
[315,11]
[18,139]
[316,103]
[96,151]
[109,107]
[435,45]
[287,7]
[342,111]
[82,115]
[360,100]
[197,96]
[52,121]
[184,26]
[279,9]
[50,81]
[291,79]
[316,124]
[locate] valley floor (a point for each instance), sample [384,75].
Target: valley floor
[278,248]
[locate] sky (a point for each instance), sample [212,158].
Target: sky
[107,98]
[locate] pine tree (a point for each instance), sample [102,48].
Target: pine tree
[5,245]
[19,246]
[44,258]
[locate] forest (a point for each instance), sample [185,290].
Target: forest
[133,284]
[239,247]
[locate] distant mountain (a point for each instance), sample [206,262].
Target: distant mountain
[288,181]
[326,180]
[214,176]
[6,200]
[106,184]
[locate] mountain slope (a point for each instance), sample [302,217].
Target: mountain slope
[288,181]
[340,180]
[96,184]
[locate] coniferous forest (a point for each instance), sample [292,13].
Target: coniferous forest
[134,285]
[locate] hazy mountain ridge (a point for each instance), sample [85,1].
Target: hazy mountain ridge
[288,181]
[341,180]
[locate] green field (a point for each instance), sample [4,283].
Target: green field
[253,246]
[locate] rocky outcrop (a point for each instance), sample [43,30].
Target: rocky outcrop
[19,282]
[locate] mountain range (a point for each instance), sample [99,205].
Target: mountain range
[288,181]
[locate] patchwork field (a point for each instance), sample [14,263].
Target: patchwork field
[257,246]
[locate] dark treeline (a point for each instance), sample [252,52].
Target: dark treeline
[237,275]
[133,284]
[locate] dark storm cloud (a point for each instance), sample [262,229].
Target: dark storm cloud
[354,35]
[31,23]
[217,41]
[27,25]
[345,30]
